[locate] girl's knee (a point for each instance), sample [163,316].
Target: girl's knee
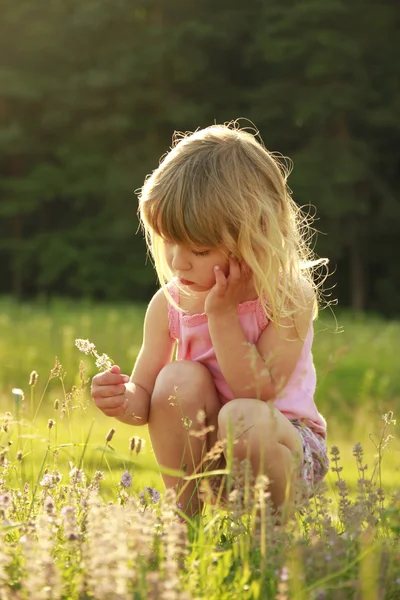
[182,383]
[244,412]
[181,374]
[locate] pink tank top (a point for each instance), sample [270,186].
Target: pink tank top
[296,399]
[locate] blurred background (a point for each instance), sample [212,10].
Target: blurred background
[91,92]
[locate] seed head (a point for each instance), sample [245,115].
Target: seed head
[50,423]
[110,435]
[136,443]
[33,378]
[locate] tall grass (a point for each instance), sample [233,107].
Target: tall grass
[80,512]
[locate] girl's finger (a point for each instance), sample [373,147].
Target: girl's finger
[234,268]
[220,278]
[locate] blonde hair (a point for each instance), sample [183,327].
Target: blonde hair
[221,186]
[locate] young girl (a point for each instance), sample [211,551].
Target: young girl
[237,302]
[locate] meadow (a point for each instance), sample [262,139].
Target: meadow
[83,513]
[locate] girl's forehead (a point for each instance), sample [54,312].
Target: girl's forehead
[188,243]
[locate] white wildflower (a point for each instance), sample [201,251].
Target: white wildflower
[85,346]
[104,362]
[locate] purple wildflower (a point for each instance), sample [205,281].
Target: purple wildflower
[5,500]
[149,494]
[126,480]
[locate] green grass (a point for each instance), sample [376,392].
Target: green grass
[224,554]
[356,361]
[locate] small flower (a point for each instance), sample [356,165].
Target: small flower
[50,480]
[77,475]
[5,500]
[284,574]
[85,346]
[126,480]
[104,363]
[47,481]
[149,494]
[68,514]
[98,476]
[49,504]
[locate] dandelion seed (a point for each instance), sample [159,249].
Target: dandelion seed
[110,435]
[33,378]
[126,480]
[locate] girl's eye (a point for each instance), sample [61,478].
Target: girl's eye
[203,253]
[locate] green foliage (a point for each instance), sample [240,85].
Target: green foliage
[76,512]
[81,518]
[90,99]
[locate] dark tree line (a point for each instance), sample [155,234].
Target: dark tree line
[90,93]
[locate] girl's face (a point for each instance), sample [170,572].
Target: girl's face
[194,267]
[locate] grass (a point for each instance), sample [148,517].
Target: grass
[84,535]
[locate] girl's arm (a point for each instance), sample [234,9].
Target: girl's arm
[130,402]
[263,370]
[156,351]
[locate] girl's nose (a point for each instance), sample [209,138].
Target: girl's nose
[180,261]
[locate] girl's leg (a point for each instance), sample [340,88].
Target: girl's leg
[182,389]
[265,436]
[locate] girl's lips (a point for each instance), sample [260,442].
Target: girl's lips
[185,281]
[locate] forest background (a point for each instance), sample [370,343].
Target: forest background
[91,92]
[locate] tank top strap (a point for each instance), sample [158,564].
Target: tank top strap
[173,313]
[262,319]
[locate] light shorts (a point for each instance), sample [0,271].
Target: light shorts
[315,455]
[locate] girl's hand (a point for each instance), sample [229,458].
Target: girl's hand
[228,290]
[108,392]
